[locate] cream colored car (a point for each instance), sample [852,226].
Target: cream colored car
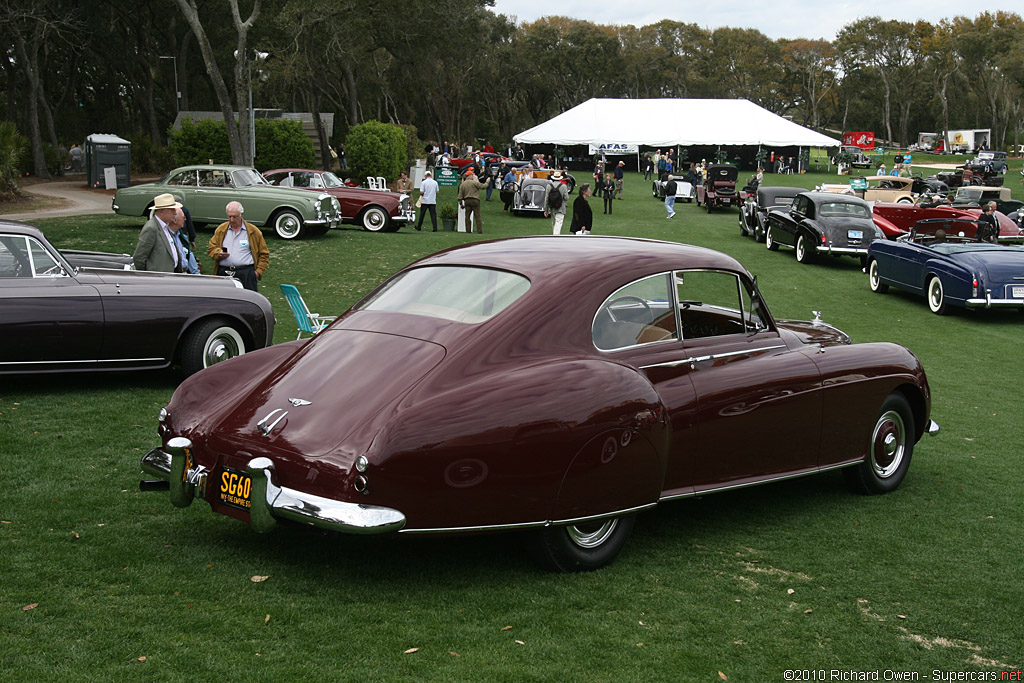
[881,188]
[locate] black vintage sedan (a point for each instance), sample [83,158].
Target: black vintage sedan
[59,314]
[754,210]
[823,223]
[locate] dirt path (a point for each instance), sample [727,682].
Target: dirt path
[78,200]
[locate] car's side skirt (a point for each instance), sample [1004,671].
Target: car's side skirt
[758,482]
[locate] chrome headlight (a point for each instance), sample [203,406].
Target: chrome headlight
[163,415]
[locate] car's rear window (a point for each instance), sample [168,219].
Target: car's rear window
[465,294]
[844,209]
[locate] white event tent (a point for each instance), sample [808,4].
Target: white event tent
[622,126]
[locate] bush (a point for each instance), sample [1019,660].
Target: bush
[413,144]
[199,143]
[376,149]
[281,143]
[149,157]
[51,157]
[12,144]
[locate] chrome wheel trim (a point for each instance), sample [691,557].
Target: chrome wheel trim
[873,277]
[936,295]
[375,219]
[287,225]
[888,444]
[223,344]
[587,536]
[801,249]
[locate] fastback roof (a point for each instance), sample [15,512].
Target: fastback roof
[668,122]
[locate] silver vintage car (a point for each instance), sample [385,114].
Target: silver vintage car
[206,189]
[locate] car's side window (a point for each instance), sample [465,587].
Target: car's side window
[711,303]
[14,257]
[183,179]
[639,313]
[214,178]
[43,264]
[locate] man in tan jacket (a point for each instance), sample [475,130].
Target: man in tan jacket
[239,253]
[469,197]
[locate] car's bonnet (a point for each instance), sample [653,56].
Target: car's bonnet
[332,395]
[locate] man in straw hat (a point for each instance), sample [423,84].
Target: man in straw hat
[158,247]
[555,200]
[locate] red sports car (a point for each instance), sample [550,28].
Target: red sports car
[549,383]
[375,210]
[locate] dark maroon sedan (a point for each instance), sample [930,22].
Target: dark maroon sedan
[553,383]
[375,210]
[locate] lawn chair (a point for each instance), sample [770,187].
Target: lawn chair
[308,322]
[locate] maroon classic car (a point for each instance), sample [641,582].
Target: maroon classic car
[73,311]
[375,210]
[549,383]
[898,219]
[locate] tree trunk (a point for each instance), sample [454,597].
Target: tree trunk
[239,150]
[326,163]
[30,63]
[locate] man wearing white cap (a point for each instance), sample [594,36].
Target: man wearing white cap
[158,247]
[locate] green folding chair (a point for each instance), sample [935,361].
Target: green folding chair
[308,322]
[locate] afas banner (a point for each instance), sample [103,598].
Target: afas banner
[613,148]
[864,139]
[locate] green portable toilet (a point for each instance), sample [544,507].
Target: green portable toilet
[103,151]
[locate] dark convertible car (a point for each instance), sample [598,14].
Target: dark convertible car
[57,315]
[944,260]
[823,223]
[549,383]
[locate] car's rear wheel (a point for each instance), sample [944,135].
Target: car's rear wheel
[375,219]
[904,200]
[804,249]
[875,280]
[769,243]
[584,546]
[209,343]
[936,295]
[889,450]
[287,224]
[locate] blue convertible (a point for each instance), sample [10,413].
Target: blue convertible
[946,261]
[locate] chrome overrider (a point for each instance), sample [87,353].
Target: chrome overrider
[270,502]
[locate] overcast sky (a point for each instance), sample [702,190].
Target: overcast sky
[774,18]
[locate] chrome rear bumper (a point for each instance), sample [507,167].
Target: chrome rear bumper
[269,501]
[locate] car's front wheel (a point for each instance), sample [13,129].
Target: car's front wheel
[875,280]
[769,243]
[287,224]
[889,450]
[375,219]
[209,343]
[936,295]
[804,249]
[584,546]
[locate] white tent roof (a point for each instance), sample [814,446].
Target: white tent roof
[672,122]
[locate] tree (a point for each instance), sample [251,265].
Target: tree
[238,136]
[376,149]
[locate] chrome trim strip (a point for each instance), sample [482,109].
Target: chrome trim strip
[783,477]
[59,362]
[528,525]
[847,250]
[715,356]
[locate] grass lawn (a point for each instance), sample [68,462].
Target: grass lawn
[798,575]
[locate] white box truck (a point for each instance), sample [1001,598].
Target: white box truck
[969,140]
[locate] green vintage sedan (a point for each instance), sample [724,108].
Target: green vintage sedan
[206,190]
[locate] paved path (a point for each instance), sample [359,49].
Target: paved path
[81,200]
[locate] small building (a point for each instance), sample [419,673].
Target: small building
[103,151]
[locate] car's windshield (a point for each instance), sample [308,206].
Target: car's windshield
[844,209]
[465,294]
[247,177]
[331,180]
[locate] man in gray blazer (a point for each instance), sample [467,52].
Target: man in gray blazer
[158,248]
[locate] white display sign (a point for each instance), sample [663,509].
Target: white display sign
[613,148]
